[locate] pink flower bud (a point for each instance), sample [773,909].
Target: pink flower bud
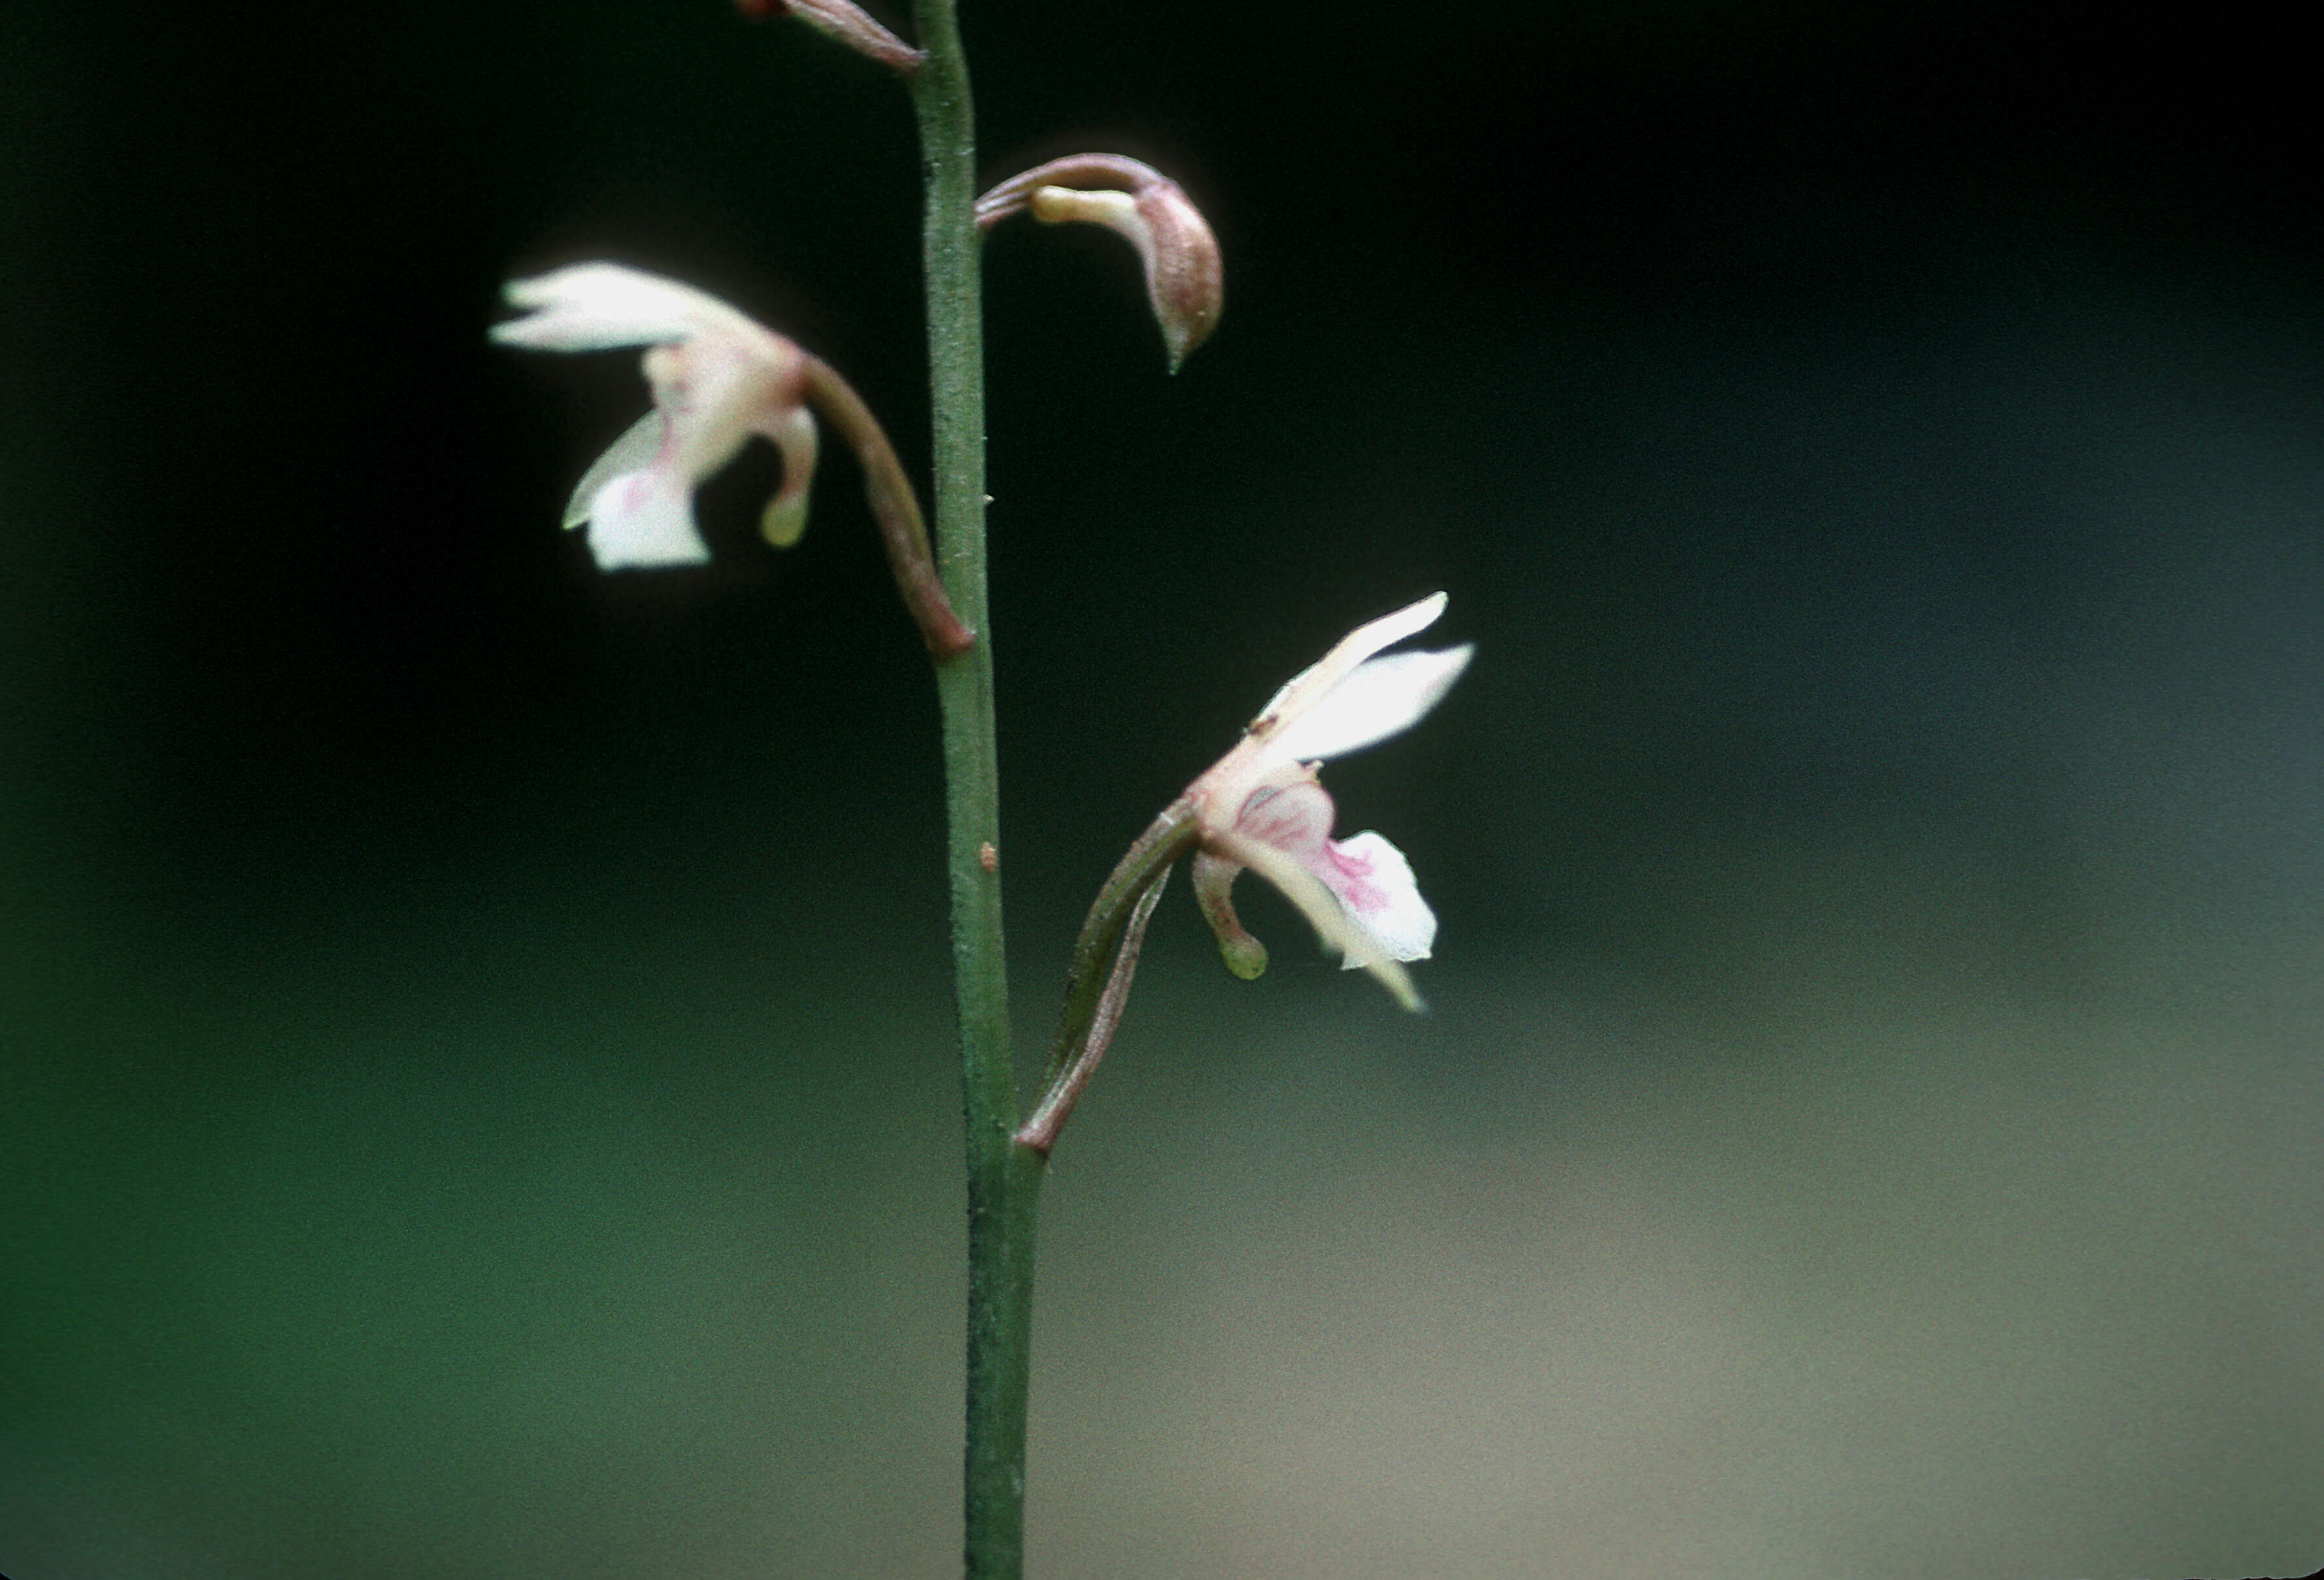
[1186,280]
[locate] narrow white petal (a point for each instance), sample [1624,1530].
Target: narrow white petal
[1375,882]
[1381,697]
[591,307]
[633,452]
[644,519]
[1311,684]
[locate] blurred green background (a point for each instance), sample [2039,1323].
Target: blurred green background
[477,1092]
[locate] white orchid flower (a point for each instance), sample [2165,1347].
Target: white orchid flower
[1262,807]
[718,377]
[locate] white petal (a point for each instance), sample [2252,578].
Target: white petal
[1375,882]
[1381,697]
[634,451]
[590,307]
[1310,685]
[645,519]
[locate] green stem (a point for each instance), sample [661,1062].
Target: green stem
[1003,1179]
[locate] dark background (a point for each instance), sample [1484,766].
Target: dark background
[476,1045]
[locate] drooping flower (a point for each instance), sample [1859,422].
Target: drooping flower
[1262,807]
[718,377]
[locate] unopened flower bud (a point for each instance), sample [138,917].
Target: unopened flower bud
[1185,281]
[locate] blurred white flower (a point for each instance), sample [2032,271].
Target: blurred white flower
[1262,807]
[718,377]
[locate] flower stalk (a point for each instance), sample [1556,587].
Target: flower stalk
[1004,1178]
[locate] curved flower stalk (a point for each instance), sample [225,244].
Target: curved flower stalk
[1186,280]
[1262,807]
[718,378]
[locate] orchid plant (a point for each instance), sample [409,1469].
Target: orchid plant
[718,378]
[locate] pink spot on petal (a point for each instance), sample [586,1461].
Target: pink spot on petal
[1348,879]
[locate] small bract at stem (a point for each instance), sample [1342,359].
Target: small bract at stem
[1040,1133]
[845,23]
[1104,960]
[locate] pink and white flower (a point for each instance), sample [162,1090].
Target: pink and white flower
[718,377]
[1262,807]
